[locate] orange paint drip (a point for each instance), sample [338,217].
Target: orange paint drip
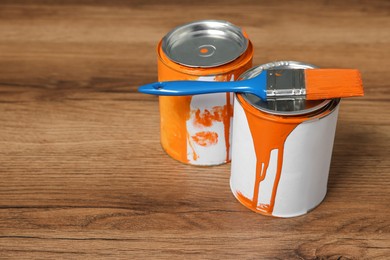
[264,209]
[226,122]
[333,83]
[205,138]
[228,110]
[195,156]
[269,132]
[267,136]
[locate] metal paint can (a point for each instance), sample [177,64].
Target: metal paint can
[281,150]
[197,129]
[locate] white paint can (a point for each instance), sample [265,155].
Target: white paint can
[281,150]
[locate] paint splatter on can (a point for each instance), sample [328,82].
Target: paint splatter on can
[197,129]
[281,150]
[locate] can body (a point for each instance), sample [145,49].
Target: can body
[197,129]
[281,163]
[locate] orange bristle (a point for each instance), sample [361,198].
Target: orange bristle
[333,83]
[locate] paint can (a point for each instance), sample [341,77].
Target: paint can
[197,129]
[281,150]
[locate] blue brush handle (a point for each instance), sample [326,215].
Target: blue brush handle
[255,86]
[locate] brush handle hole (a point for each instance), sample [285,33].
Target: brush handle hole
[157,86]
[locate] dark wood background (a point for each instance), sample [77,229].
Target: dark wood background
[82,171]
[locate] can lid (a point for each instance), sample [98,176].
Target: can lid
[205,44]
[289,107]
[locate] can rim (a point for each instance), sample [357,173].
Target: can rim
[225,27]
[281,64]
[307,117]
[226,68]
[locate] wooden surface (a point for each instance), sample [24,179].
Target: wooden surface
[82,171]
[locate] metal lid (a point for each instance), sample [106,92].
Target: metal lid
[288,107]
[207,43]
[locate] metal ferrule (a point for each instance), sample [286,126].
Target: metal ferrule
[286,84]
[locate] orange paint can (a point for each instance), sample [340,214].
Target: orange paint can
[281,149]
[197,129]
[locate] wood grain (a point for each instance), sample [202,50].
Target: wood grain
[82,171]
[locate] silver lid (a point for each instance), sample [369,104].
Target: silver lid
[287,107]
[206,43]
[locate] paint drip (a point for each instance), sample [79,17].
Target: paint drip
[267,136]
[269,132]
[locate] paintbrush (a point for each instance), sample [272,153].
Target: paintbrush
[312,84]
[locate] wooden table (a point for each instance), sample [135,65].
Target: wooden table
[82,171]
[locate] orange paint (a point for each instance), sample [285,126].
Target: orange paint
[206,118]
[331,83]
[195,156]
[267,136]
[269,132]
[175,111]
[228,112]
[262,208]
[226,122]
[205,138]
[217,114]
[245,34]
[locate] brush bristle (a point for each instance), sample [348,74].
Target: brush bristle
[333,83]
